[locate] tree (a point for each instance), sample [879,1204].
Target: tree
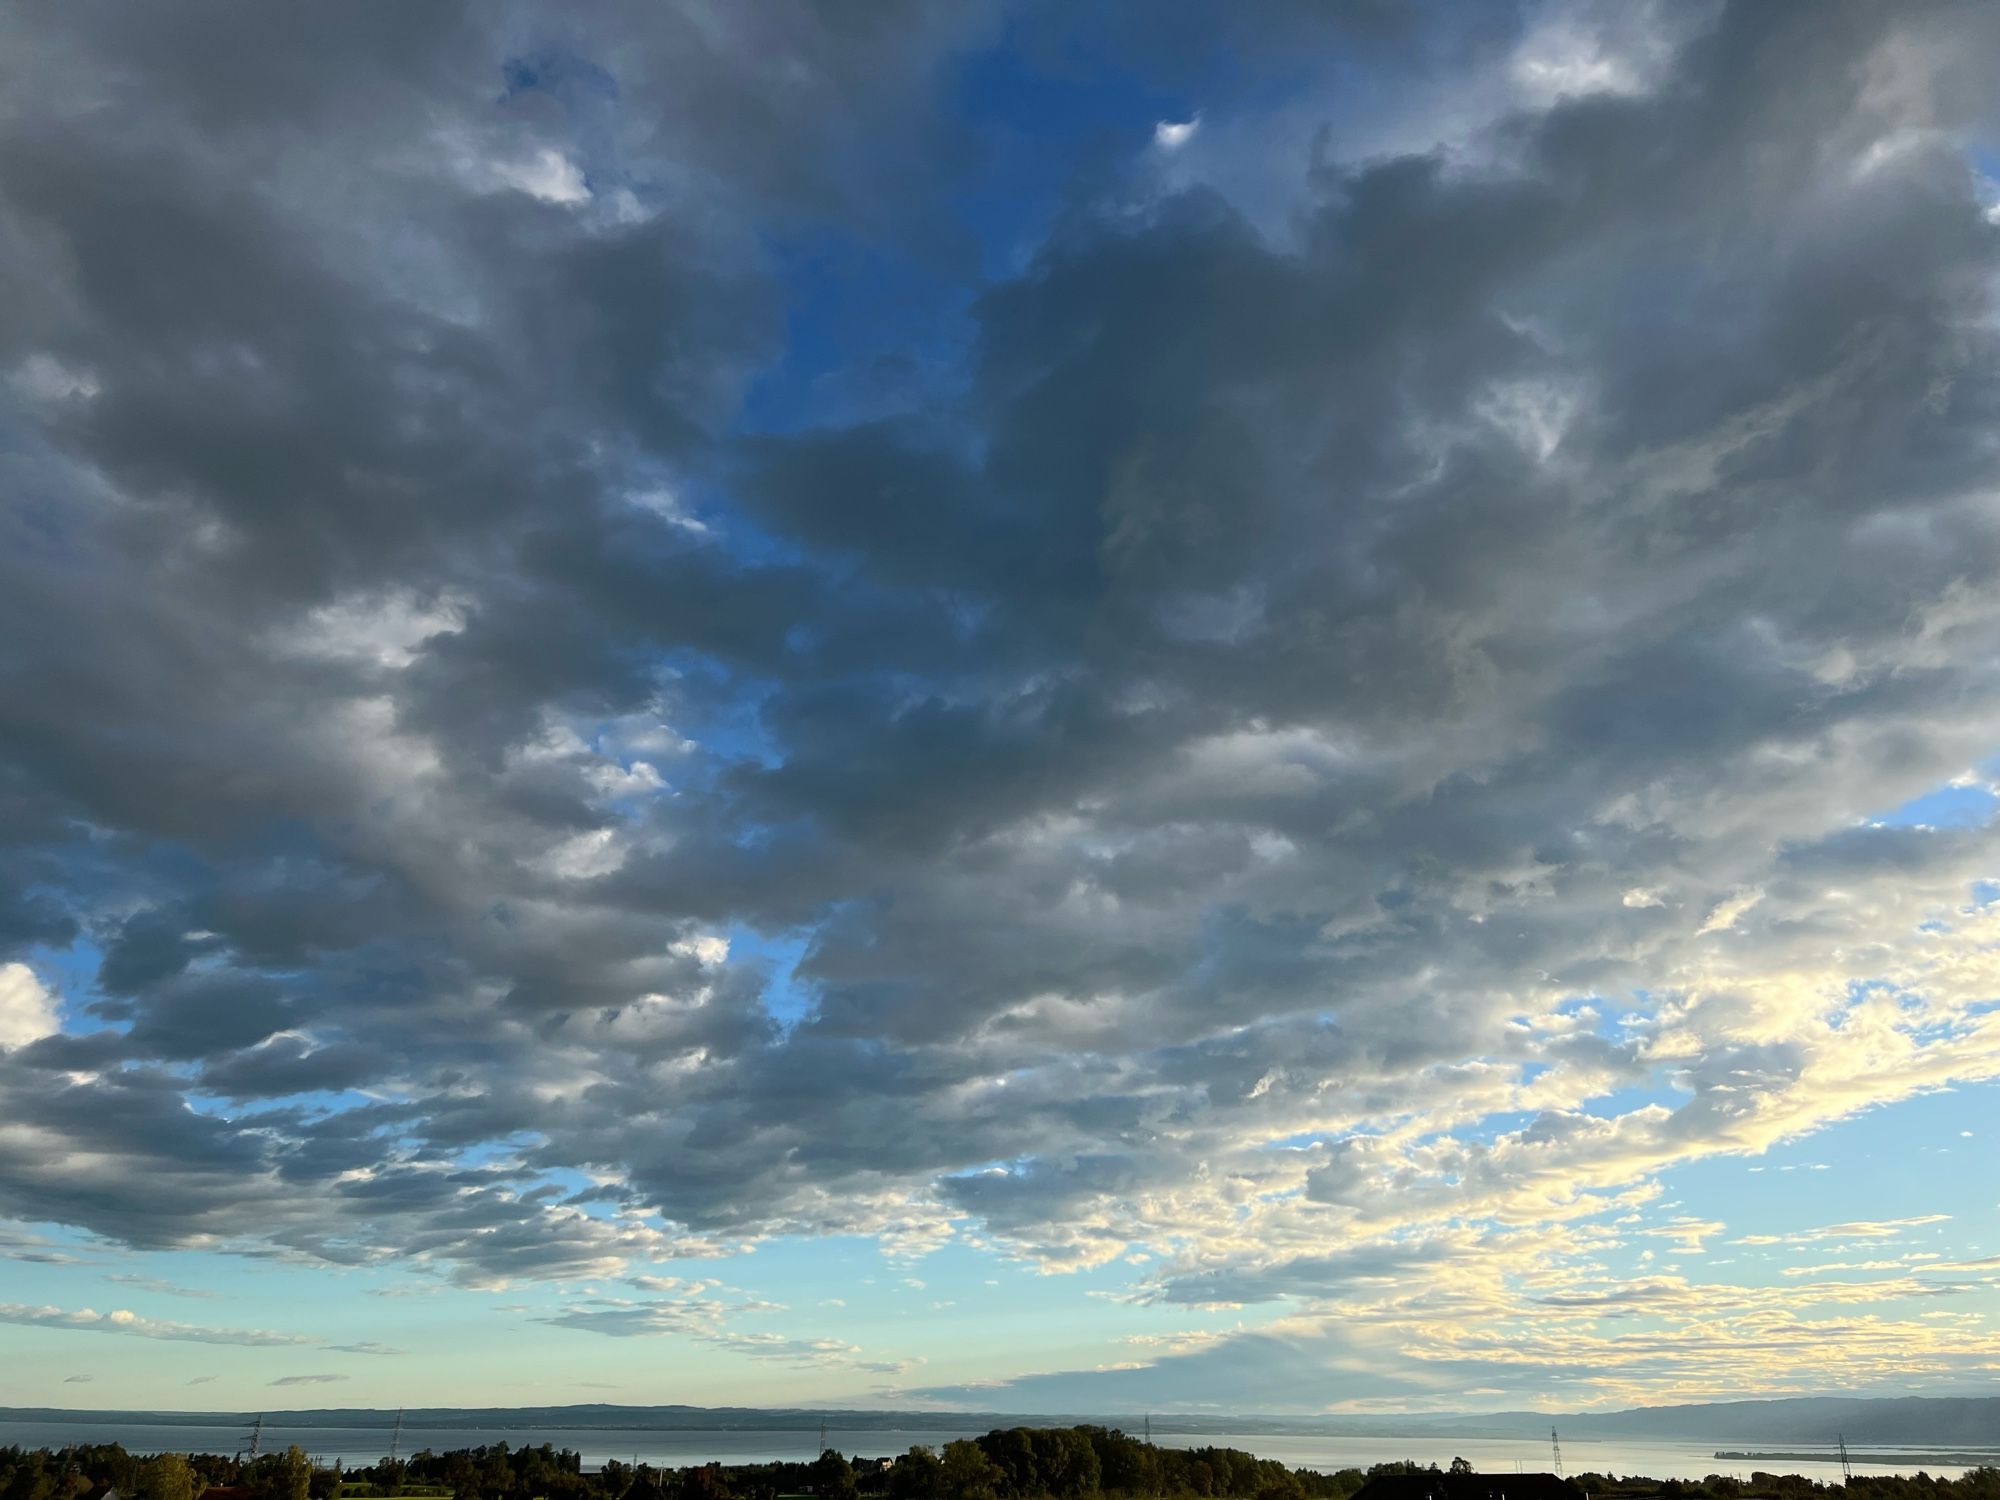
[709,1483]
[917,1476]
[167,1477]
[833,1477]
[1460,1466]
[1068,1462]
[294,1475]
[967,1472]
[280,1476]
[1013,1451]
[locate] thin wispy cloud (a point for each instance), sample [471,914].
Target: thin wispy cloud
[122,1321]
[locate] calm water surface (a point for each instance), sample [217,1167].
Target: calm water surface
[1660,1460]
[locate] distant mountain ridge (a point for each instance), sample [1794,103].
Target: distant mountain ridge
[1905,1421]
[1892,1421]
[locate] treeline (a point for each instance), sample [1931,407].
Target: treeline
[63,1473]
[1974,1484]
[1018,1463]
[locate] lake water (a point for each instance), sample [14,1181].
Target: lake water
[1659,1460]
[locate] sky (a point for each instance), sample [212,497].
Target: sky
[1110,707]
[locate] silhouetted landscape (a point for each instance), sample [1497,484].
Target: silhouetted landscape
[1015,1463]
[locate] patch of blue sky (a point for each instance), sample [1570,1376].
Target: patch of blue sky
[716,710]
[61,1238]
[787,997]
[1985,160]
[70,975]
[917,1305]
[1905,1160]
[307,1101]
[1050,121]
[214,1106]
[869,333]
[1610,1017]
[1490,1128]
[1858,990]
[1952,806]
[501,1151]
[1304,1140]
[577,1190]
[1623,1101]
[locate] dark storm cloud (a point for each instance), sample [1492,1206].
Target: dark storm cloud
[1251,704]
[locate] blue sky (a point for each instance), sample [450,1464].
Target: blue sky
[1123,709]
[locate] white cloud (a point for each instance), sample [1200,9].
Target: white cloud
[27,1010]
[665,504]
[1171,135]
[584,856]
[546,174]
[1852,1229]
[385,630]
[122,1320]
[1726,912]
[710,949]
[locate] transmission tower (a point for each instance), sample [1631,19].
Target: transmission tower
[396,1437]
[1846,1468]
[257,1437]
[1149,1429]
[1556,1450]
[822,1434]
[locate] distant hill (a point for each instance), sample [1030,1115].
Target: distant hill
[1904,1421]
[591,1416]
[1908,1421]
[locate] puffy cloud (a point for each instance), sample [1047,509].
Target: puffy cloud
[27,1010]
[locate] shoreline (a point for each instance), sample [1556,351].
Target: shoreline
[1971,1458]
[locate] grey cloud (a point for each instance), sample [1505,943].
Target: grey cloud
[1216,723]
